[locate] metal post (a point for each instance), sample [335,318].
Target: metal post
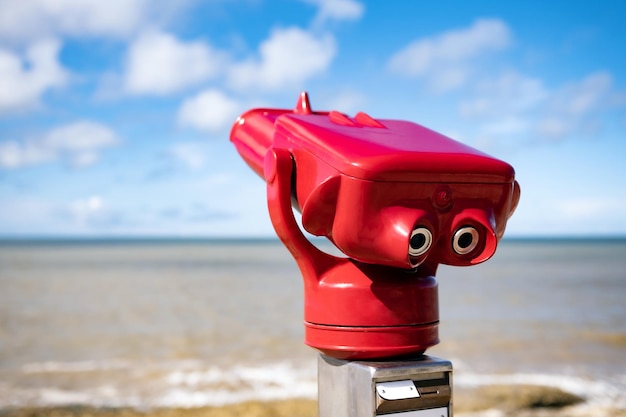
[420,387]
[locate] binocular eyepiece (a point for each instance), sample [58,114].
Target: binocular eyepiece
[465,240]
[396,198]
[467,243]
[419,242]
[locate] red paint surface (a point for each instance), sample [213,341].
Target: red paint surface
[366,185]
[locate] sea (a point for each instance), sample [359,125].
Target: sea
[192,323]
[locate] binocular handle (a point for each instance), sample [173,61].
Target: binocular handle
[398,313]
[278,169]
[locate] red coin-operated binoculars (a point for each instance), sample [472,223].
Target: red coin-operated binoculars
[397,199]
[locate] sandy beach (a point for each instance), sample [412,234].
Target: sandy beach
[491,401]
[195,329]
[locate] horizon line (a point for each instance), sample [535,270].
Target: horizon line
[7,239]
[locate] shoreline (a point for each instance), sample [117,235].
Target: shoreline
[484,401]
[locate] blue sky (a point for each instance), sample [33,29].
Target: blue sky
[114,116]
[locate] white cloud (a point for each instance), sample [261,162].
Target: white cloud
[92,212]
[220,179]
[159,63]
[26,20]
[83,209]
[576,108]
[24,79]
[511,92]
[514,104]
[348,101]
[192,155]
[553,127]
[209,110]
[337,10]
[582,98]
[286,59]
[78,143]
[445,60]
[14,154]
[505,106]
[506,126]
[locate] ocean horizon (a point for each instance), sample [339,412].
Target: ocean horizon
[113,239]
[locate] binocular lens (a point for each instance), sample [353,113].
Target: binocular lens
[420,241]
[465,240]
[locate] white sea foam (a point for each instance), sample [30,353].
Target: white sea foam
[216,386]
[193,384]
[53,396]
[164,384]
[81,366]
[596,393]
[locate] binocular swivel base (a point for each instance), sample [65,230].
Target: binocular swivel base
[372,342]
[419,387]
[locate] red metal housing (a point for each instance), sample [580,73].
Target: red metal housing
[396,198]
